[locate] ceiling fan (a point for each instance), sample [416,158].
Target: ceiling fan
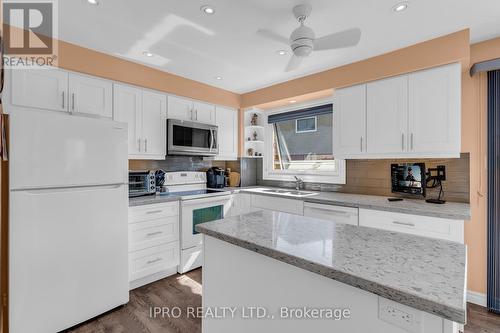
[303,41]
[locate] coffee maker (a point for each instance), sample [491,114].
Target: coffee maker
[215,178]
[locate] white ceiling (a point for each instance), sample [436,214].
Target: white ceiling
[201,47]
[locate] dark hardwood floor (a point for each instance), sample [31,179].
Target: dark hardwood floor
[185,291]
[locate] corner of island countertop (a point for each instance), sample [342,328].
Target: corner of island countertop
[423,273]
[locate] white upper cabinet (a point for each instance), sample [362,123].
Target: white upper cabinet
[204,113]
[387,115]
[90,95]
[227,123]
[186,109]
[40,88]
[416,115]
[128,109]
[180,108]
[58,90]
[349,121]
[145,112]
[154,115]
[435,110]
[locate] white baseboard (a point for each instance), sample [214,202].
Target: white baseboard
[476,298]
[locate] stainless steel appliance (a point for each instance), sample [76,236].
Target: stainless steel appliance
[198,205]
[191,139]
[141,183]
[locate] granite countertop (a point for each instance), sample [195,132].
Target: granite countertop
[423,273]
[450,210]
[151,200]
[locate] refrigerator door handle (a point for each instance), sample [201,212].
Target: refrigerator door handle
[38,191]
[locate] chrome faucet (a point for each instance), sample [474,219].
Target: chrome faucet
[298,183]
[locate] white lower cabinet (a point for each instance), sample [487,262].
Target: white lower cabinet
[433,227]
[154,251]
[241,204]
[339,214]
[284,205]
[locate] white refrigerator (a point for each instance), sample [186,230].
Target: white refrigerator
[68,220]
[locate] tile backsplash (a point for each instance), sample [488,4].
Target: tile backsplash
[363,176]
[176,163]
[374,177]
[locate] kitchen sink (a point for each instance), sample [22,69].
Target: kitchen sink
[293,193]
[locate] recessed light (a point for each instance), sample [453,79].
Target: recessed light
[148,54]
[93,2]
[292,101]
[218,77]
[400,7]
[208,9]
[281,52]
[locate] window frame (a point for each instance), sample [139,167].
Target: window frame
[338,177]
[306,131]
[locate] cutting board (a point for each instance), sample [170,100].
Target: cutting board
[234,179]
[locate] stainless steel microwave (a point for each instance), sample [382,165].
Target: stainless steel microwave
[191,139]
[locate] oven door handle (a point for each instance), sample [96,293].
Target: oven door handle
[211,201]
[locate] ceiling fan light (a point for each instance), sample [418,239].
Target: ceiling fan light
[209,10]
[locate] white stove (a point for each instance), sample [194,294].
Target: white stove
[198,205]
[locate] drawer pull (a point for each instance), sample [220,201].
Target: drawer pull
[153,261]
[154,212]
[404,223]
[154,233]
[331,211]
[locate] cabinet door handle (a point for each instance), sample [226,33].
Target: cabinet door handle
[146,145]
[361,144]
[63,99]
[402,141]
[139,143]
[408,224]
[73,101]
[154,233]
[411,139]
[332,211]
[196,113]
[153,261]
[191,117]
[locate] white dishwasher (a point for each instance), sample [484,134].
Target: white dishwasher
[339,214]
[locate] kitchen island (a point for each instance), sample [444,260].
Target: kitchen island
[278,272]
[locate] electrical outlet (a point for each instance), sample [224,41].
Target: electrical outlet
[400,315]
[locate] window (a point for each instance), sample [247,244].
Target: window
[300,143]
[305,125]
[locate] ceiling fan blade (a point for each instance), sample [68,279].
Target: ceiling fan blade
[273,35]
[338,40]
[294,63]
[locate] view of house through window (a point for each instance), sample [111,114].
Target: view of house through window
[304,144]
